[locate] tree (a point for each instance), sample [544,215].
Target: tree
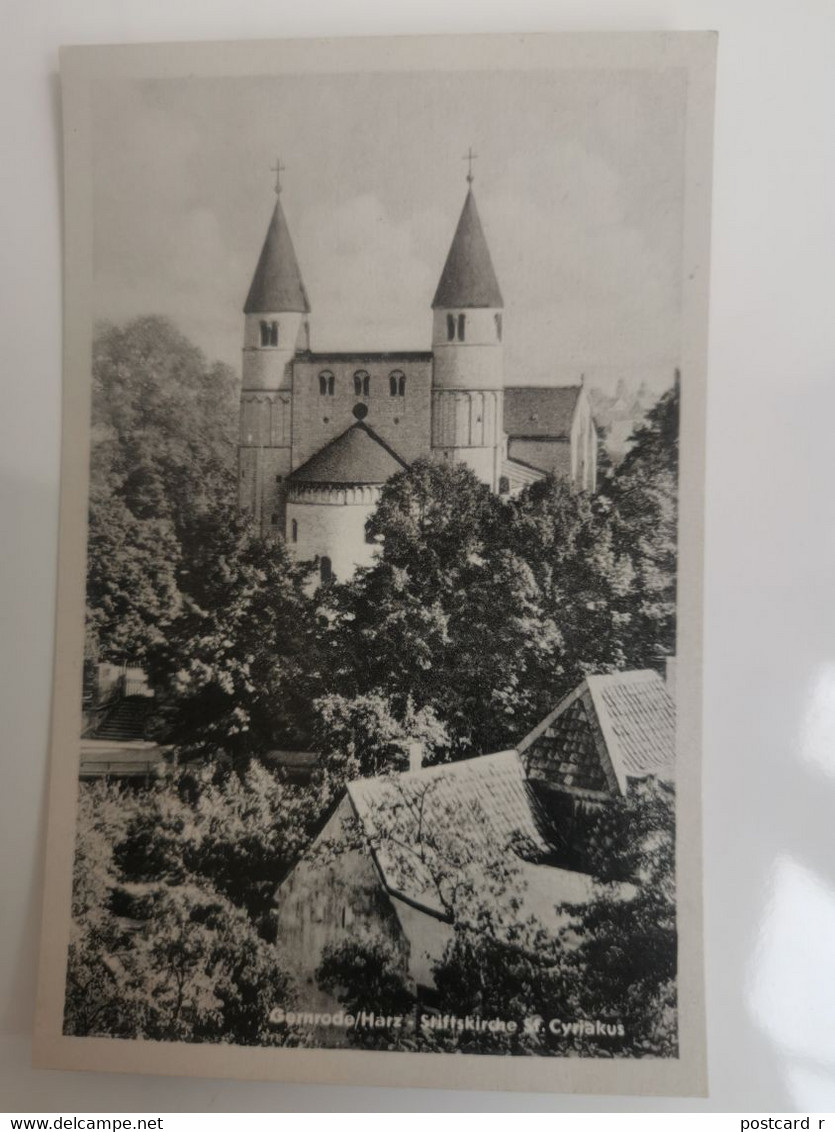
[195,971]
[172,900]
[239,667]
[104,814]
[603,969]
[237,832]
[362,971]
[643,492]
[164,423]
[132,591]
[612,962]
[624,951]
[449,618]
[586,583]
[363,736]
[162,457]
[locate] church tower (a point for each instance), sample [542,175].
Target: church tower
[275,329]
[468,372]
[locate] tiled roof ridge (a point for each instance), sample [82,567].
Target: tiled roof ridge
[624,676]
[435,770]
[357,426]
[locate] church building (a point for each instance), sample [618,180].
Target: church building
[320,433]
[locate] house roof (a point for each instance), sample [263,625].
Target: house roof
[466,811]
[637,719]
[533,411]
[637,715]
[357,456]
[277,283]
[468,278]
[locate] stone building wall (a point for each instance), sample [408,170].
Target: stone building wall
[330,521]
[402,420]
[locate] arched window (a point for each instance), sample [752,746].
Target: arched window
[325,569]
[462,321]
[294,531]
[269,333]
[401,385]
[326,383]
[504,485]
[450,326]
[397,383]
[362,383]
[498,319]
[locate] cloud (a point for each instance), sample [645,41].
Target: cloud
[368,276]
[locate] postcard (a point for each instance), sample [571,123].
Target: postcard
[376,727]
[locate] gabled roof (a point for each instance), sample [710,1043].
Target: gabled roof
[480,806]
[540,411]
[468,278]
[277,283]
[638,718]
[357,456]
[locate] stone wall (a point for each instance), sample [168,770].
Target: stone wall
[330,522]
[402,421]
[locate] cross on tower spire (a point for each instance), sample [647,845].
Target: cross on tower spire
[470,157]
[278,169]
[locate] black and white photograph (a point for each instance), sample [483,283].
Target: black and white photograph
[379,687]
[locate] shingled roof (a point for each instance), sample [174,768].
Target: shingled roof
[540,411]
[632,715]
[638,718]
[468,278]
[356,456]
[483,804]
[277,283]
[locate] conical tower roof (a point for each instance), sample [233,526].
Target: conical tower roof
[468,278]
[277,283]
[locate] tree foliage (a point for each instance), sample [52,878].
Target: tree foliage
[478,615]
[194,970]
[613,962]
[172,898]
[162,457]
[486,611]
[239,669]
[449,618]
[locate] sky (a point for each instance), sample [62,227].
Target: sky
[579,182]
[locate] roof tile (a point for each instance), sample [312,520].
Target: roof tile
[546,411]
[468,278]
[357,456]
[638,717]
[481,805]
[277,283]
